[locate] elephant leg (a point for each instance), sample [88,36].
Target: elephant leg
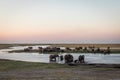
[55,59]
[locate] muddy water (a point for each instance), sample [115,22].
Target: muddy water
[36,57]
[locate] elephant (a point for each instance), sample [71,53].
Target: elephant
[67,49]
[26,49]
[68,58]
[55,49]
[30,48]
[78,48]
[40,49]
[61,57]
[53,57]
[106,52]
[81,58]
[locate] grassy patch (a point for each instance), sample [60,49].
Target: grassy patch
[6,65]
[4,46]
[10,65]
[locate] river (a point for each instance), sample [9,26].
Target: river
[44,58]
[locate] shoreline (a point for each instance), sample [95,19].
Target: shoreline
[100,65]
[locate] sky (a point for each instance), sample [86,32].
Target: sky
[59,21]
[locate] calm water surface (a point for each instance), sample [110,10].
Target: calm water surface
[36,57]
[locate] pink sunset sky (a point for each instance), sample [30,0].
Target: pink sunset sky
[59,21]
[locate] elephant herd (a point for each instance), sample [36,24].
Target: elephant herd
[90,49]
[68,58]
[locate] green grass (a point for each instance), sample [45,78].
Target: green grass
[61,71]
[10,65]
[6,65]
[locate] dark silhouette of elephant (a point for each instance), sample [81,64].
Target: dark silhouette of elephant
[53,57]
[40,49]
[78,49]
[81,58]
[28,49]
[68,58]
[107,51]
[61,57]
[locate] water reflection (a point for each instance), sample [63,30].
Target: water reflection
[36,57]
